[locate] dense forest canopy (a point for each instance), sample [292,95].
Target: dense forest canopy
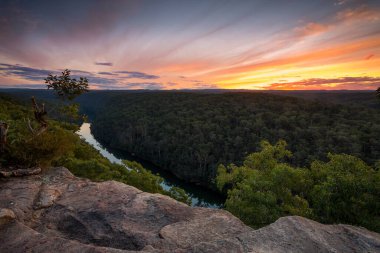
[190,134]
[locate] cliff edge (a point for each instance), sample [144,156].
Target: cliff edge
[58,212]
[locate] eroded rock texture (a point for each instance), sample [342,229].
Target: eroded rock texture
[57,212]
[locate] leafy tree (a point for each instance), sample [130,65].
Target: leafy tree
[343,190]
[68,88]
[378,92]
[65,86]
[264,188]
[346,190]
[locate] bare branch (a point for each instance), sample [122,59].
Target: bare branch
[3,135]
[30,126]
[39,114]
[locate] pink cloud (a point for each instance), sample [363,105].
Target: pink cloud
[311,29]
[362,13]
[352,83]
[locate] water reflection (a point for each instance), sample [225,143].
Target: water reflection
[85,133]
[199,195]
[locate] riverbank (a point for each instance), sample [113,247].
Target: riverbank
[200,196]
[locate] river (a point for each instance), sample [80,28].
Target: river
[200,196]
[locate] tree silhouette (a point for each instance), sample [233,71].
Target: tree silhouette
[65,86]
[68,88]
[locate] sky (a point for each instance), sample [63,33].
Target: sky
[193,44]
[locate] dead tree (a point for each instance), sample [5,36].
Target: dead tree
[3,135]
[39,116]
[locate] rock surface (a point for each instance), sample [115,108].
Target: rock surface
[57,212]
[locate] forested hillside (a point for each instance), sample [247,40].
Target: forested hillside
[60,146]
[190,134]
[217,139]
[348,97]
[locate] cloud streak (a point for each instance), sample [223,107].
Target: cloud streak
[224,44]
[138,75]
[132,86]
[311,29]
[107,73]
[363,82]
[104,63]
[24,72]
[35,74]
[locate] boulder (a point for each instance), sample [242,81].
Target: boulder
[58,212]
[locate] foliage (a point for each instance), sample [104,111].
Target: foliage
[69,113]
[179,194]
[60,146]
[85,161]
[346,190]
[23,147]
[342,190]
[264,189]
[191,133]
[68,88]
[65,86]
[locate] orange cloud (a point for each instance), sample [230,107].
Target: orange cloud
[182,68]
[369,56]
[357,83]
[326,54]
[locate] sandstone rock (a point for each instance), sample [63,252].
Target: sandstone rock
[20,172]
[57,212]
[6,215]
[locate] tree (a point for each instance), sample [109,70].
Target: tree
[342,190]
[39,115]
[378,92]
[67,87]
[3,135]
[265,188]
[346,190]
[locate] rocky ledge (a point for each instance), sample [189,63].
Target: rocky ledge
[58,212]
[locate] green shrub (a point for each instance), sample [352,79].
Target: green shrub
[342,190]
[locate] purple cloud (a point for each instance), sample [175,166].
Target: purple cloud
[107,73]
[145,86]
[132,86]
[205,86]
[24,72]
[35,74]
[104,63]
[138,75]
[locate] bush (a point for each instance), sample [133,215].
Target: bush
[343,190]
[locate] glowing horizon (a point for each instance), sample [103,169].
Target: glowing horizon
[282,45]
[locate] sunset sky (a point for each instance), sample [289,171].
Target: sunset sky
[196,44]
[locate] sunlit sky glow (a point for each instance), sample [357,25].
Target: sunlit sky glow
[196,44]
